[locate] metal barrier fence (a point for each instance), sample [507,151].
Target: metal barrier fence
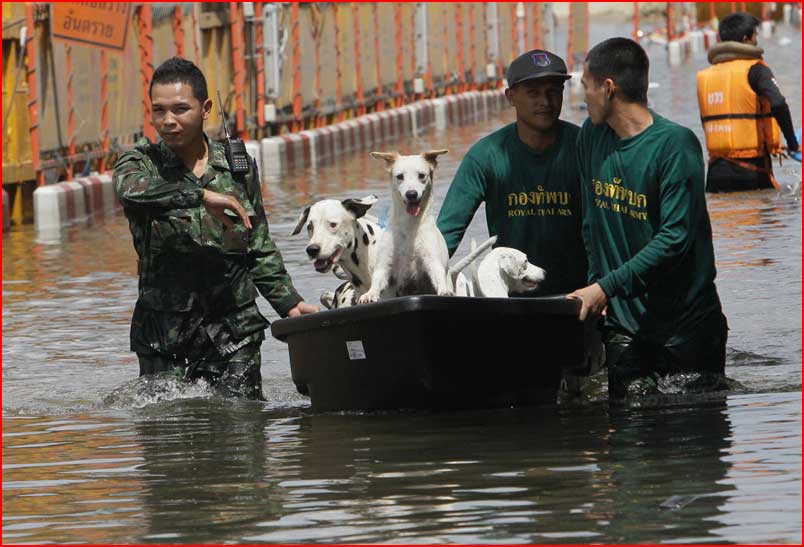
[281,67]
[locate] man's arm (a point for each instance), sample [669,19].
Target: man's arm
[761,80]
[465,194]
[268,269]
[136,186]
[681,198]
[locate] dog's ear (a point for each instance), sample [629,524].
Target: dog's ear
[508,264]
[431,156]
[389,157]
[302,219]
[359,206]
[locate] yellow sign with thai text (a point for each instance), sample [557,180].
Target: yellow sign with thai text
[93,24]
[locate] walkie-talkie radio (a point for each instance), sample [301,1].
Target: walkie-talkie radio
[236,153]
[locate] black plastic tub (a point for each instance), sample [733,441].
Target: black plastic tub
[433,352]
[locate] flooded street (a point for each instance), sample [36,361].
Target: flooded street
[89,457]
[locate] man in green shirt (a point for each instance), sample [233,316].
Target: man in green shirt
[646,229]
[203,245]
[527,176]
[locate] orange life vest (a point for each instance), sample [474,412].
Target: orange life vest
[737,122]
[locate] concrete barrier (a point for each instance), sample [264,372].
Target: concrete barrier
[6,212]
[253,148]
[710,38]
[57,205]
[285,153]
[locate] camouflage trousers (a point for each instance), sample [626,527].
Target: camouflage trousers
[234,375]
[632,362]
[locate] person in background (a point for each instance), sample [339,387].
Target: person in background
[203,245]
[742,110]
[646,230]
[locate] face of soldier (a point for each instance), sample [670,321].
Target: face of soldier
[597,96]
[177,115]
[537,102]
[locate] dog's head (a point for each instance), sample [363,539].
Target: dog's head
[331,226]
[521,275]
[411,177]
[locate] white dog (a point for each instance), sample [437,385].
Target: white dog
[341,234]
[506,271]
[412,257]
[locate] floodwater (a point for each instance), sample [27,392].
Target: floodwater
[91,456]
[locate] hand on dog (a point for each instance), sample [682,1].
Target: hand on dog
[216,205]
[593,301]
[303,308]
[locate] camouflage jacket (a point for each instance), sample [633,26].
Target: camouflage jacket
[189,262]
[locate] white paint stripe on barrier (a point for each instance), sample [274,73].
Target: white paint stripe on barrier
[253,148]
[440,107]
[57,205]
[272,153]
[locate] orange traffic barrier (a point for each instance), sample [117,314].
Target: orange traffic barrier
[68,50]
[338,72]
[146,40]
[295,41]
[178,30]
[361,105]
[104,110]
[400,77]
[260,66]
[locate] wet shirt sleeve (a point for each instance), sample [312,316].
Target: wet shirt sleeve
[681,198]
[268,269]
[137,185]
[761,80]
[465,194]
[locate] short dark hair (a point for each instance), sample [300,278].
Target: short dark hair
[177,69]
[736,27]
[625,62]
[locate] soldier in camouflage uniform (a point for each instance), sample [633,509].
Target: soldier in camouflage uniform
[203,244]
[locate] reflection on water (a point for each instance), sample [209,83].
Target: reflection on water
[86,458]
[239,472]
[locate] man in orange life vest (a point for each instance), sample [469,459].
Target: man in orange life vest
[742,110]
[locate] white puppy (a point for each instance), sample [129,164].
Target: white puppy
[506,271]
[412,256]
[342,234]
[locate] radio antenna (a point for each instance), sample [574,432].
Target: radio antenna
[223,115]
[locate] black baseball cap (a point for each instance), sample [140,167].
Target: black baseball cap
[536,63]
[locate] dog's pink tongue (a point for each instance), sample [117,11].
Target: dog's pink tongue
[413,209]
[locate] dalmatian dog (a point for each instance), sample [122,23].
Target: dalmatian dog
[412,256]
[343,238]
[343,297]
[506,271]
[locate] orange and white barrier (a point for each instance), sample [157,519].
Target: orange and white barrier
[285,153]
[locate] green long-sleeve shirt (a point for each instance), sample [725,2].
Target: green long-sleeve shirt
[532,202]
[646,227]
